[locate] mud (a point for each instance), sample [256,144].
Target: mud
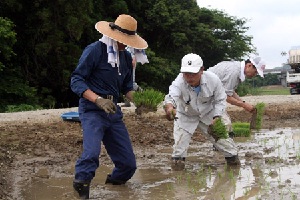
[38,152]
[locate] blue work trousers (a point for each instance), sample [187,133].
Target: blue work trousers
[110,129]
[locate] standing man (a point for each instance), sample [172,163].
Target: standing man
[195,100]
[103,72]
[232,73]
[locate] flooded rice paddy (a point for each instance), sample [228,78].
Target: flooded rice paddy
[270,169]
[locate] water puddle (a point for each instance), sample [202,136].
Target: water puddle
[270,170]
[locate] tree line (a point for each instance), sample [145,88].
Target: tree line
[41,42]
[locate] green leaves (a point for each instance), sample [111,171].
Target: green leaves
[241,129]
[7,40]
[219,129]
[260,107]
[148,98]
[50,39]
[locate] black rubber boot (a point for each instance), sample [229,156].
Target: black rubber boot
[214,148]
[109,180]
[234,160]
[231,134]
[178,163]
[83,189]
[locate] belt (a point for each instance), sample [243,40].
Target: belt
[108,96]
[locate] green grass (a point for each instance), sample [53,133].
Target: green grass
[241,129]
[21,107]
[260,111]
[273,91]
[241,125]
[219,129]
[241,132]
[149,98]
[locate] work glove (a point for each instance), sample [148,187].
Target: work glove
[106,104]
[170,113]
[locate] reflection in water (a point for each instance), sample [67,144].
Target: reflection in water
[273,175]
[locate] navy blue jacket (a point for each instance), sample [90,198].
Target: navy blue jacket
[94,73]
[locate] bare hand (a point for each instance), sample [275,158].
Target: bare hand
[248,107]
[170,112]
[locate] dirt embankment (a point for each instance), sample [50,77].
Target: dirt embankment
[43,134]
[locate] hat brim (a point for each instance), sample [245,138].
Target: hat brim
[190,69]
[259,71]
[134,41]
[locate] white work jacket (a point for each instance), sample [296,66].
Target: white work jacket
[192,108]
[231,73]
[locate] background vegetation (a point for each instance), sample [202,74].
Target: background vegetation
[41,42]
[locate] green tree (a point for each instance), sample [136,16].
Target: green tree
[7,40]
[52,34]
[271,79]
[13,88]
[175,28]
[49,43]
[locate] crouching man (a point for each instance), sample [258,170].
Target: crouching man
[196,99]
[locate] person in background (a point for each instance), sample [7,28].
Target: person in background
[196,99]
[104,72]
[232,73]
[136,87]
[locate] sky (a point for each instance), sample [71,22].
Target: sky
[273,24]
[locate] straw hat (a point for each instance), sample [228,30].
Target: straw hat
[122,30]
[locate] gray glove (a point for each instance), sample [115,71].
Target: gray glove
[106,104]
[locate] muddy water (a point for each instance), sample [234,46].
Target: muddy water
[270,170]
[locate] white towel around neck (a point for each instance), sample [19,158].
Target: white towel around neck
[113,53]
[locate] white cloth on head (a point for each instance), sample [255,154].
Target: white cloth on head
[112,50]
[139,54]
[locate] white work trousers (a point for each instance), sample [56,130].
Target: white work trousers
[227,121]
[182,140]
